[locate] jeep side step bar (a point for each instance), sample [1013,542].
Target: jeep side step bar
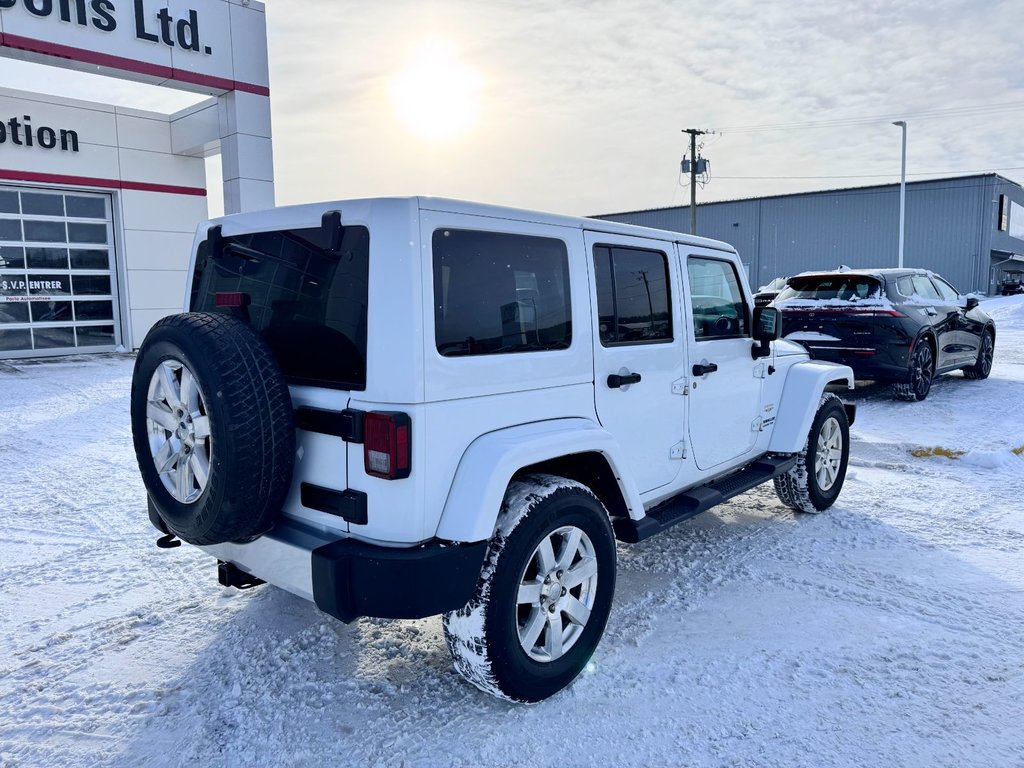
[702,498]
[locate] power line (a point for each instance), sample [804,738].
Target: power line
[881,175]
[982,109]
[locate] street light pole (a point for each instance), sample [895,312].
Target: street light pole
[903,187]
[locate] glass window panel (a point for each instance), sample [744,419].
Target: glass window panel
[947,291]
[498,293]
[42,204]
[94,310]
[15,340]
[51,311]
[923,287]
[16,312]
[87,233]
[632,295]
[86,207]
[719,309]
[47,258]
[12,257]
[54,338]
[13,285]
[305,299]
[45,231]
[90,258]
[49,285]
[91,285]
[10,229]
[96,336]
[8,202]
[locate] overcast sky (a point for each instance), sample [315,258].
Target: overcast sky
[577,106]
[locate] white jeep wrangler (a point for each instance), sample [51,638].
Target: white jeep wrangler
[407,407]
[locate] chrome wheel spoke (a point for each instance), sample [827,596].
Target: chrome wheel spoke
[183,479]
[172,394]
[162,415]
[529,593]
[165,457]
[546,555]
[583,570]
[577,612]
[188,392]
[200,468]
[553,642]
[201,427]
[572,544]
[534,626]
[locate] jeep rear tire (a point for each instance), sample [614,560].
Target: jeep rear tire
[813,485]
[213,428]
[544,594]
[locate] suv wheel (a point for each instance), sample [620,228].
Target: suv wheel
[213,428]
[814,483]
[983,367]
[920,375]
[544,593]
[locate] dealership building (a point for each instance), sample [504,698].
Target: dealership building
[99,203]
[969,229]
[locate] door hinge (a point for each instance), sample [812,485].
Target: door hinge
[759,371]
[680,387]
[678,451]
[755,425]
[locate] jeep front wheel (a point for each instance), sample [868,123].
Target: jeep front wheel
[814,483]
[544,594]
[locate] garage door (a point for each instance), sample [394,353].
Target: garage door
[58,286]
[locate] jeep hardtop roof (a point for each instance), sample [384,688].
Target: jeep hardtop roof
[304,215]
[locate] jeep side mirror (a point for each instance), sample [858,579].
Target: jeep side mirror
[972,302]
[767,328]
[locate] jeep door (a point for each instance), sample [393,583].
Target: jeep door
[724,380]
[638,353]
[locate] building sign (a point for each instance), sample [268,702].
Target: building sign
[21,133]
[101,14]
[1016,220]
[182,43]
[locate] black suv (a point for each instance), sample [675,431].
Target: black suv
[903,326]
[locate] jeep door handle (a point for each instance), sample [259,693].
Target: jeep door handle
[616,380]
[700,370]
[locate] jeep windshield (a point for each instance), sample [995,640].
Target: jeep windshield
[308,302]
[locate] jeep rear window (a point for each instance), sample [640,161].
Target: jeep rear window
[308,303]
[828,287]
[497,293]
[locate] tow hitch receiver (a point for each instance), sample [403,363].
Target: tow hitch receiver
[230,575]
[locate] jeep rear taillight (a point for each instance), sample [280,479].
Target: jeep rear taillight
[386,444]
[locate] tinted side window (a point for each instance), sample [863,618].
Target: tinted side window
[633,297]
[308,303]
[946,291]
[496,293]
[923,287]
[719,309]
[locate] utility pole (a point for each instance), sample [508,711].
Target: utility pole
[694,133]
[903,187]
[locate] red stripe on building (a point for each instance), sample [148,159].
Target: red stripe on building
[129,65]
[88,181]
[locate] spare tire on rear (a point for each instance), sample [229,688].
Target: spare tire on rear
[213,428]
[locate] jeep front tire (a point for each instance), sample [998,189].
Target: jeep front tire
[544,594]
[814,483]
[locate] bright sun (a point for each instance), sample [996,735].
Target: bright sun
[436,96]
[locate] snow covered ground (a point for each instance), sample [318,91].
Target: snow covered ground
[888,631]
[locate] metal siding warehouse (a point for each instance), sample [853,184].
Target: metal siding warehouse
[958,227]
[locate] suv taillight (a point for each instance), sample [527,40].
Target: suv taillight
[386,444]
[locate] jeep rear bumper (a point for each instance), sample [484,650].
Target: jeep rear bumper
[347,578]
